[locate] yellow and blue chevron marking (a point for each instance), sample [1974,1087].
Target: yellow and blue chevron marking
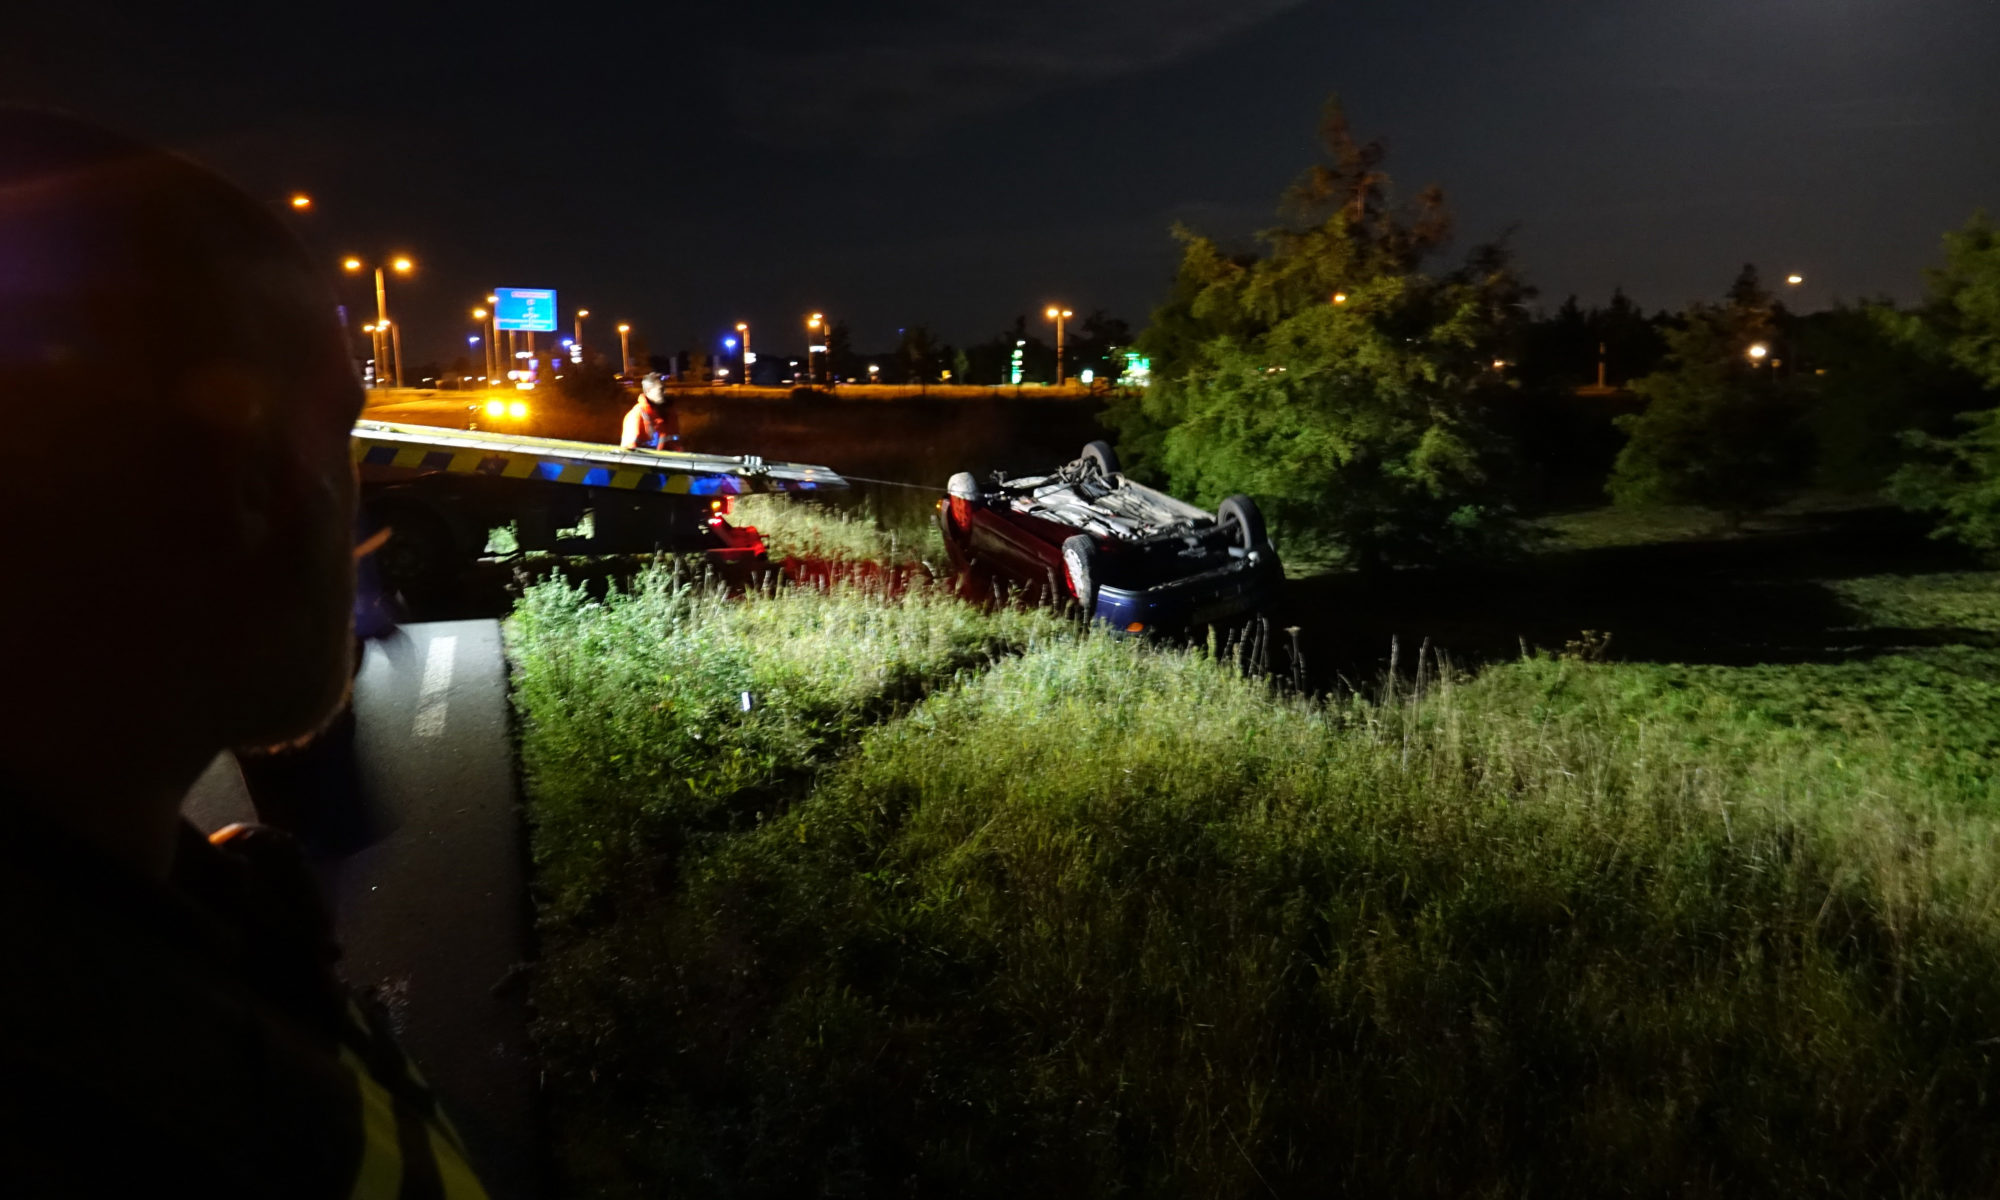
[428,450]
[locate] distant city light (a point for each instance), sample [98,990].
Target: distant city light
[1759,350]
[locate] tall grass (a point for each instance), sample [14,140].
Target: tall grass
[869,534]
[1081,916]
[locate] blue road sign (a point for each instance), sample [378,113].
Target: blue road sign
[528,310]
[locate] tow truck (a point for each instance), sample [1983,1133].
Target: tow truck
[441,492]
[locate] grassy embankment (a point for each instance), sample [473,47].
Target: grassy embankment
[976,903]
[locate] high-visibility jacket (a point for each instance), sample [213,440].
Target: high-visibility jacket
[190,1037]
[649,428]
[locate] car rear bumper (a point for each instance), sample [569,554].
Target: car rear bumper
[1217,597]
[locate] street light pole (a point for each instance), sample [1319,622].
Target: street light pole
[1059,315]
[402,266]
[581,313]
[624,349]
[744,329]
[479,315]
[818,326]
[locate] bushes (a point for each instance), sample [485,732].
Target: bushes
[1101,917]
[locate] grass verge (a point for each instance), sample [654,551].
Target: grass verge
[969,903]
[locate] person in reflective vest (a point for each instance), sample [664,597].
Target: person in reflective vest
[173,1022]
[651,423]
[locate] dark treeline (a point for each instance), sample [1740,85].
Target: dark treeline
[1384,404]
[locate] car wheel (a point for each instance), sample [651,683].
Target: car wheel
[1079,555]
[1101,453]
[1241,514]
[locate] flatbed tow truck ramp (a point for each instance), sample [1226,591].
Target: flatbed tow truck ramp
[441,491]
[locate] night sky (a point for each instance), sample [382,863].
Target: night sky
[684,166]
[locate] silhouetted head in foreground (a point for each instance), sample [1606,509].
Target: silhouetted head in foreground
[176,497]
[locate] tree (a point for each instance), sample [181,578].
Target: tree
[1721,428]
[918,355]
[1328,375]
[1095,344]
[1869,383]
[841,360]
[1959,478]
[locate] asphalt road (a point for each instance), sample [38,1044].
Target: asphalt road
[436,912]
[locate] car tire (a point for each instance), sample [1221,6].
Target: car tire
[1079,555]
[1101,453]
[1242,513]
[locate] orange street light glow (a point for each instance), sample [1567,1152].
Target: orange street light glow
[1759,350]
[301,200]
[624,329]
[582,312]
[740,327]
[402,264]
[1340,297]
[480,313]
[1795,279]
[352,264]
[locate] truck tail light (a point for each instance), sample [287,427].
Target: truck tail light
[718,509]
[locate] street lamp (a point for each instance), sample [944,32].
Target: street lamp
[814,324]
[581,313]
[402,266]
[748,358]
[375,354]
[1795,279]
[1757,352]
[301,201]
[624,350]
[1059,315]
[480,315]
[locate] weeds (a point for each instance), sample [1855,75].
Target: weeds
[972,903]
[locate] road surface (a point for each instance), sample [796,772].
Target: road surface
[436,913]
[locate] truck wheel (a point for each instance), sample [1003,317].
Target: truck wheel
[1241,514]
[1079,555]
[420,560]
[1101,453]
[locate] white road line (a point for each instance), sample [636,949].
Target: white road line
[434,697]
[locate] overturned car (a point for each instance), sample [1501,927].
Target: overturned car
[1132,557]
